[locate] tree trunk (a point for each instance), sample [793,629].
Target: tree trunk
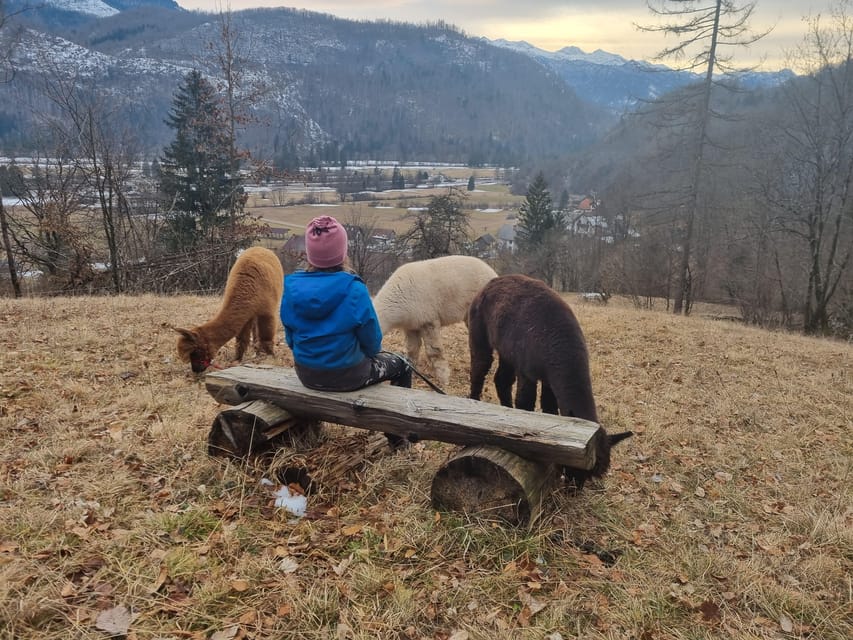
[10,258]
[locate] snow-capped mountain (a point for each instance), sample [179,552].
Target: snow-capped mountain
[618,84]
[95,8]
[327,86]
[566,53]
[324,86]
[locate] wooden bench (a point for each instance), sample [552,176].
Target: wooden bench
[509,460]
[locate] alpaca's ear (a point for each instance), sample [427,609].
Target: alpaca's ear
[618,437]
[189,334]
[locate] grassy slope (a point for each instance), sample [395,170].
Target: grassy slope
[729,511]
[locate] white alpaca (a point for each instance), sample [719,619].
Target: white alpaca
[421,297]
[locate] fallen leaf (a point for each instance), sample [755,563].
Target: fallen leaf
[343,631]
[226,634]
[530,602]
[458,635]
[710,611]
[239,585]
[115,621]
[7,546]
[786,624]
[288,565]
[341,567]
[352,529]
[161,579]
[284,610]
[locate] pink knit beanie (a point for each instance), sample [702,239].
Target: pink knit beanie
[325,242]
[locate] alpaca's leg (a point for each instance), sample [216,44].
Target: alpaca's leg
[435,354]
[548,400]
[480,352]
[480,365]
[525,394]
[504,378]
[244,339]
[413,345]
[266,334]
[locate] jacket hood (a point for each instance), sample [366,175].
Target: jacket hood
[317,294]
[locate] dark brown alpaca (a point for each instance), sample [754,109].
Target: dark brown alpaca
[537,338]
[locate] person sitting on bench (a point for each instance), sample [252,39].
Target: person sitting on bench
[330,323]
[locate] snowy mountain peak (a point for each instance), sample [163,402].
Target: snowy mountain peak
[566,53]
[89,7]
[598,56]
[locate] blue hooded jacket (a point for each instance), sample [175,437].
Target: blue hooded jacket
[329,320]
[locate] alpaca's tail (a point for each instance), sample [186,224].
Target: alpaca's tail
[619,437]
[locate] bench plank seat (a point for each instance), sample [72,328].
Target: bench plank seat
[416,414]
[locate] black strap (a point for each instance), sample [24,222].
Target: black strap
[429,382]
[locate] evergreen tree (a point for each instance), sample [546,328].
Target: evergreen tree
[540,231]
[196,170]
[471,183]
[397,180]
[537,217]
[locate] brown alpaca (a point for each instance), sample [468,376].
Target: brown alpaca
[537,337]
[250,306]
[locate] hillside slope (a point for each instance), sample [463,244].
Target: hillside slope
[312,85]
[727,514]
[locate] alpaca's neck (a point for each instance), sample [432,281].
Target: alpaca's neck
[581,402]
[222,328]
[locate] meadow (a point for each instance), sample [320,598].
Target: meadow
[292,207]
[727,515]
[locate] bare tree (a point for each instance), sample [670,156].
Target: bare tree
[239,91]
[89,129]
[371,262]
[812,194]
[47,229]
[704,28]
[8,41]
[442,230]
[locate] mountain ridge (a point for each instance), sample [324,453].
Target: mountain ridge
[335,89]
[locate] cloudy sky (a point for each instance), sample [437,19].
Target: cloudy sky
[553,24]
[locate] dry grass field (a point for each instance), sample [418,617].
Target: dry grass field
[728,515]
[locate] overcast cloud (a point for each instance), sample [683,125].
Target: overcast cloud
[553,24]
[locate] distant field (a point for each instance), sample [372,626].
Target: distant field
[487,206]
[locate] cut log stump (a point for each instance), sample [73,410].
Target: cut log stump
[254,428]
[494,483]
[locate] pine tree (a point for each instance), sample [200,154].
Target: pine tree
[536,216]
[397,180]
[196,170]
[471,183]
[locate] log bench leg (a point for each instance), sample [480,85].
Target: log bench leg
[492,482]
[253,428]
